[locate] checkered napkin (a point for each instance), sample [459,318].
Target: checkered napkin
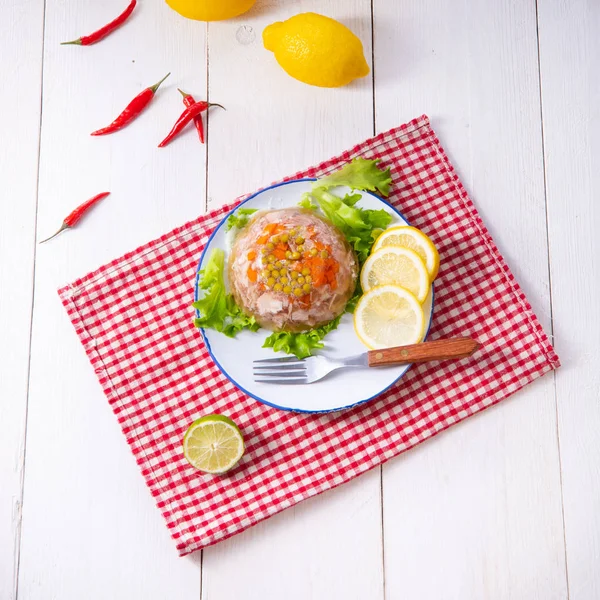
[134,319]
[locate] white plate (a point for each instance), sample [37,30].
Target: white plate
[342,389]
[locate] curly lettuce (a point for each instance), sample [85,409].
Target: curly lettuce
[216,308]
[301,345]
[239,218]
[360,174]
[360,226]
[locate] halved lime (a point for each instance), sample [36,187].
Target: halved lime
[213,444]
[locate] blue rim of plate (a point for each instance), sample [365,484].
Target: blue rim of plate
[207,343]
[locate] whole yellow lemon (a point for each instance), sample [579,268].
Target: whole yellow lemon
[210,10]
[316,50]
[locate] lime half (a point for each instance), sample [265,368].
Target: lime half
[213,444]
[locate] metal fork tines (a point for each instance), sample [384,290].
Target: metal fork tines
[289,370]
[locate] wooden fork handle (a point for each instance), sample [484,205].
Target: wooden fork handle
[425,352]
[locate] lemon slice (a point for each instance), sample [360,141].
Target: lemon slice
[414,239]
[387,316]
[213,444]
[398,266]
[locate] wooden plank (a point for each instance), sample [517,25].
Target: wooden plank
[330,546]
[21,64]
[465,514]
[90,527]
[570,62]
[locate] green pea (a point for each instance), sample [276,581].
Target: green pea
[299,240]
[308,279]
[278,287]
[298,292]
[271,281]
[294,274]
[271,258]
[275,240]
[314,252]
[288,254]
[266,273]
[271,246]
[284,238]
[284,280]
[295,255]
[300,280]
[306,287]
[300,248]
[287,289]
[324,254]
[305,272]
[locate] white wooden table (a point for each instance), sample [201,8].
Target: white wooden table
[505,505]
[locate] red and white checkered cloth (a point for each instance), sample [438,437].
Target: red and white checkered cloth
[134,319]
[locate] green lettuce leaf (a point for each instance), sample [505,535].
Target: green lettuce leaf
[360,226]
[360,174]
[302,344]
[216,307]
[239,218]
[307,202]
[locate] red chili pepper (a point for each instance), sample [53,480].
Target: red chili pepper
[192,112]
[188,100]
[132,110]
[73,217]
[88,40]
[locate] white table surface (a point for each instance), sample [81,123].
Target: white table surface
[504,505]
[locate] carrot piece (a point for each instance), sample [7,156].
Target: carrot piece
[252,274]
[319,277]
[252,255]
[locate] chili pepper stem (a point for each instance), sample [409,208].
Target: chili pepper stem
[62,228]
[76,42]
[185,95]
[157,85]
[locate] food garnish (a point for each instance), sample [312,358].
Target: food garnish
[414,239]
[387,316]
[217,309]
[399,266]
[213,444]
[360,174]
[239,218]
[303,344]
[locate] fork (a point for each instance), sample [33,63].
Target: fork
[290,370]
